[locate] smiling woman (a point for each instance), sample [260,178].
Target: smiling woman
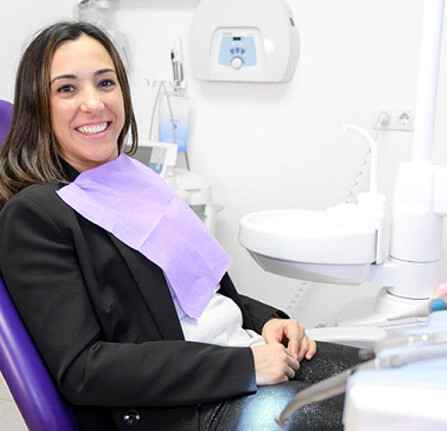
[49,73]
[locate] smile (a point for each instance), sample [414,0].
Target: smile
[93,129]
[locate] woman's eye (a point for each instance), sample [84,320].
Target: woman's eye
[106,83]
[66,89]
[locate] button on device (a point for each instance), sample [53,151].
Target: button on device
[131,418]
[237,63]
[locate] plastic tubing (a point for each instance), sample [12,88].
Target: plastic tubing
[373,148]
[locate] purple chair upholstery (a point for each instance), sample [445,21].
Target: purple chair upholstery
[41,406]
[5,119]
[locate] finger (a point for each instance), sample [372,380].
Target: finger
[270,338]
[284,378]
[286,351]
[304,348]
[293,363]
[269,332]
[293,348]
[289,373]
[312,349]
[294,332]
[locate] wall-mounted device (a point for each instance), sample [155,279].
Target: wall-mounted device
[244,40]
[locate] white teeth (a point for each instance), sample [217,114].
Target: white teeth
[90,130]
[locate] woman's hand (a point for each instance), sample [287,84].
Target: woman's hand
[273,364]
[290,334]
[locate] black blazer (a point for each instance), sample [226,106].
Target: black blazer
[102,317]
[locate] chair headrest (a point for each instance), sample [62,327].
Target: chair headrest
[5,119]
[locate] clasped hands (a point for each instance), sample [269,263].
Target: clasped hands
[286,345]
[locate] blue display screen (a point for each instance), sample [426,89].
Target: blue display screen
[242,47]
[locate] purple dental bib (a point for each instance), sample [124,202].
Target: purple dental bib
[132,202]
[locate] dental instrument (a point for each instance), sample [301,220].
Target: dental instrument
[424,309]
[244,40]
[373,151]
[412,340]
[177,69]
[336,385]
[172,109]
[174,119]
[410,397]
[169,149]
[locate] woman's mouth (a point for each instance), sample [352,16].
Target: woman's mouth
[93,129]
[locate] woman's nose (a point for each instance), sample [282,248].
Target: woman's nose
[92,101]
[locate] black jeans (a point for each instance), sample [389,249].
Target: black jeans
[257,412]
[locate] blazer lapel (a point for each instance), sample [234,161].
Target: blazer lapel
[152,284]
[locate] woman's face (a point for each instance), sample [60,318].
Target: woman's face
[87,109]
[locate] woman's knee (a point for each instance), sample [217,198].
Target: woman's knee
[329,360]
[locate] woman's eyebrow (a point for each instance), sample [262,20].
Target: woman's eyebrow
[63,77]
[101,71]
[72,76]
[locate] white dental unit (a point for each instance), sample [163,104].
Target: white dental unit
[243,40]
[344,245]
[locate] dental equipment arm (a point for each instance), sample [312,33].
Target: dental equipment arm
[336,385]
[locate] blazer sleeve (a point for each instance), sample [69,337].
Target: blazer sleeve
[255,313]
[43,275]
[260,313]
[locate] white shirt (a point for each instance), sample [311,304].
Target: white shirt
[220,323]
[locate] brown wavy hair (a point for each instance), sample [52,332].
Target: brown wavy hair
[29,153]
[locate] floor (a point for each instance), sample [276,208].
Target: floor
[10,417]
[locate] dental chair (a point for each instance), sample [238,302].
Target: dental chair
[5,119]
[39,402]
